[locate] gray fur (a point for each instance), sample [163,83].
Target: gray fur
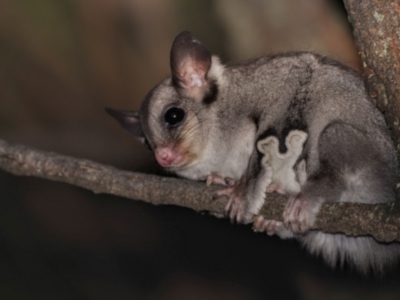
[348,154]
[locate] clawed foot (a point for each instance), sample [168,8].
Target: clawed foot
[235,209]
[273,187]
[235,206]
[300,213]
[272,227]
[214,178]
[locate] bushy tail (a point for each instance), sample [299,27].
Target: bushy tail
[361,253]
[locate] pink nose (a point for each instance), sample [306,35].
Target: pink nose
[167,156]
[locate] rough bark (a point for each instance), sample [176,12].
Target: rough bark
[351,219]
[376,26]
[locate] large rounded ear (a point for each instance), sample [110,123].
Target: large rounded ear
[129,120]
[190,63]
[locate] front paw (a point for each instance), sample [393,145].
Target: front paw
[300,213]
[274,187]
[272,227]
[214,178]
[235,209]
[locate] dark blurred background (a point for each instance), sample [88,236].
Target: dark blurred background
[61,63]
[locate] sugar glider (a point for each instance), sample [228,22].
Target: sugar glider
[236,124]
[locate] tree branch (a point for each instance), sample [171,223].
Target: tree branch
[376,31]
[349,218]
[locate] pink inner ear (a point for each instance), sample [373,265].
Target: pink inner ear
[192,75]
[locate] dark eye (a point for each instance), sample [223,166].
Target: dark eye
[174,116]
